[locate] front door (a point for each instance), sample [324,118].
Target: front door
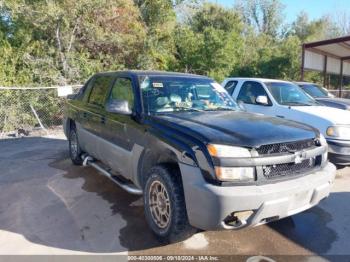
[248,94]
[117,130]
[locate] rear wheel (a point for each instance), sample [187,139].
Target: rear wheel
[74,148]
[164,204]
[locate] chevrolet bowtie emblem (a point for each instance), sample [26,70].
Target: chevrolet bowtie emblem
[299,157]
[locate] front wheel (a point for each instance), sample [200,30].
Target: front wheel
[164,204]
[74,148]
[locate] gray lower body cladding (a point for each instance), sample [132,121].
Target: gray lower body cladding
[208,205]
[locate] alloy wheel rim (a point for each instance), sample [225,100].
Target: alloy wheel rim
[159,204]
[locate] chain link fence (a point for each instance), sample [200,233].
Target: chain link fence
[23,110]
[344,93]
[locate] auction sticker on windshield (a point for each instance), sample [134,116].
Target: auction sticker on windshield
[157,85]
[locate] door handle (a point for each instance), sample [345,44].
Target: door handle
[280,116]
[103,120]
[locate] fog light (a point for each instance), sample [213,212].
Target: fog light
[243,215]
[238,219]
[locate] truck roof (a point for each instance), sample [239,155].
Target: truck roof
[304,83]
[154,73]
[256,79]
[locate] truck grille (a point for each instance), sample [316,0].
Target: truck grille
[289,169]
[286,147]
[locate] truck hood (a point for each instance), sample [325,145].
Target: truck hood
[341,101]
[332,115]
[234,128]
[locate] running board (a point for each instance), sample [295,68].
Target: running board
[130,188]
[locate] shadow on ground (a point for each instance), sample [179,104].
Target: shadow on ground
[56,204]
[134,235]
[309,229]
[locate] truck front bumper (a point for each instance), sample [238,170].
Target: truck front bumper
[208,206]
[339,152]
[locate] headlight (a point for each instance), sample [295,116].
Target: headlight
[235,174]
[342,132]
[227,151]
[232,174]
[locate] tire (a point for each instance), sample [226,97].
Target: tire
[74,148]
[339,166]
[167,182]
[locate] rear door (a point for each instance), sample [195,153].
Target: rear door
[93,115]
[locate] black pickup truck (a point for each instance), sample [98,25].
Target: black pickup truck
[198,160]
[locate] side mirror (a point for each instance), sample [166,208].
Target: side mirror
[118,107]
[241,105]
[262,100]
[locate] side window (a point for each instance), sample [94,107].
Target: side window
[250,91]
[122,90]
[230,86]
[85,90]
[99,90]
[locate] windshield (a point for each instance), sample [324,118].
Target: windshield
[289,94]
[314,90]
[172,94]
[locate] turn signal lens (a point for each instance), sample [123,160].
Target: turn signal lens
[330,131]
[227,151]
[212,150]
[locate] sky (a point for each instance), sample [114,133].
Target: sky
[314,8]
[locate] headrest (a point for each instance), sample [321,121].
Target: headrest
[175,98]
[162,101]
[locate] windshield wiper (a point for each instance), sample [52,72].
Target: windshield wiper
[296,104]
[221,108]
[188,108]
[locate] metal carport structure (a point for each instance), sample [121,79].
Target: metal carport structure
[330,56]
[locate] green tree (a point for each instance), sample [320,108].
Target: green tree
[69,40]
[210,43]
[312,30]
[270,58]
[265,16]
[61,42]
[160,20]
